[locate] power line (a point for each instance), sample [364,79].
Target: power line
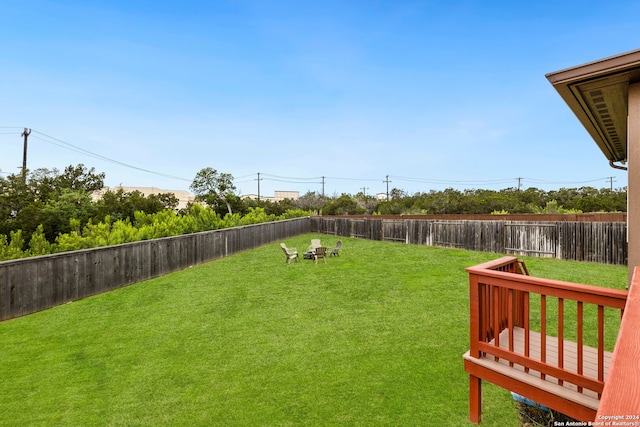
[101,157]
[456,182]
[290,178]
[541,181]
[292,181]
[353,179]
[286,179]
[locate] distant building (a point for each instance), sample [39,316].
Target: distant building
[278,196]
[184,197]
[281,195]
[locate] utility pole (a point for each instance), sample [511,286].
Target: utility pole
[519,183]
[259,179]
[323,186]
[25,134]
[387,181]
[610,178]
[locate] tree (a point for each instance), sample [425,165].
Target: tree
[22,201]
[211,187]
[120,204]
[310,201]
[79,178]
[343,205]
[365,202]
[56,214]
[397,193]
[20,204]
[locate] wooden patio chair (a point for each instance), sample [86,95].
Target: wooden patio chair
[315,243]
[290,253]
[320,252]
[336,250]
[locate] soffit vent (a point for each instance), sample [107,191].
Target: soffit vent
[597,93]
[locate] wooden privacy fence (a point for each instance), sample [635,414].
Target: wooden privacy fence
[604,242]
[32,284]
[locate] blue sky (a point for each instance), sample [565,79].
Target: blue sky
[432,94]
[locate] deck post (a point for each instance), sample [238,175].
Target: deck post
[475,399]
[474,315]
[475,383]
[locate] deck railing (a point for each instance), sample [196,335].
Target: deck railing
[621,396]
[526,325]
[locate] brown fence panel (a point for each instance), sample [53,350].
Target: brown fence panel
[491,237]
[597,241]
[373,229]
[419,232]
[394,231]
[356,228]
[536,239]
[450,234]
[327,225]
[33,284]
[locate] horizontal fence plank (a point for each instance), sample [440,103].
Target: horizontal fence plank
[574,217]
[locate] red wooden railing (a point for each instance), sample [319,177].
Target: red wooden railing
[501,298]
[621,396]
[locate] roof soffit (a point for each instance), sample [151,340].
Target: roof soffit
[597,93]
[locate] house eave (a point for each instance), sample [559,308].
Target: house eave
[597,93]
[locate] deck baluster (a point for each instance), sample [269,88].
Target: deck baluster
[600,344]
[560,336]
[580,341]
[527,335]
[543,332]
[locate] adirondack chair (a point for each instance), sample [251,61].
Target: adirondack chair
[290,253]
[315,243]
[320,252]
[336,250]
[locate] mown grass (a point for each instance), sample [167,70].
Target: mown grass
[373,337]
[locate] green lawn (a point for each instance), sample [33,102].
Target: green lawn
[373,337]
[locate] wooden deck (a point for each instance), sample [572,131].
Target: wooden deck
[561,374]
[546,383]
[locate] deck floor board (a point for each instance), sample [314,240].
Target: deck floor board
[533,378]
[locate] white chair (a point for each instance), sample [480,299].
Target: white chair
[290,253]
[315,243]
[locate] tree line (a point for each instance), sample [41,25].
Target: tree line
[47,211]
[471,201]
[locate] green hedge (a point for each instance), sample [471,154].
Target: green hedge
[143,227]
